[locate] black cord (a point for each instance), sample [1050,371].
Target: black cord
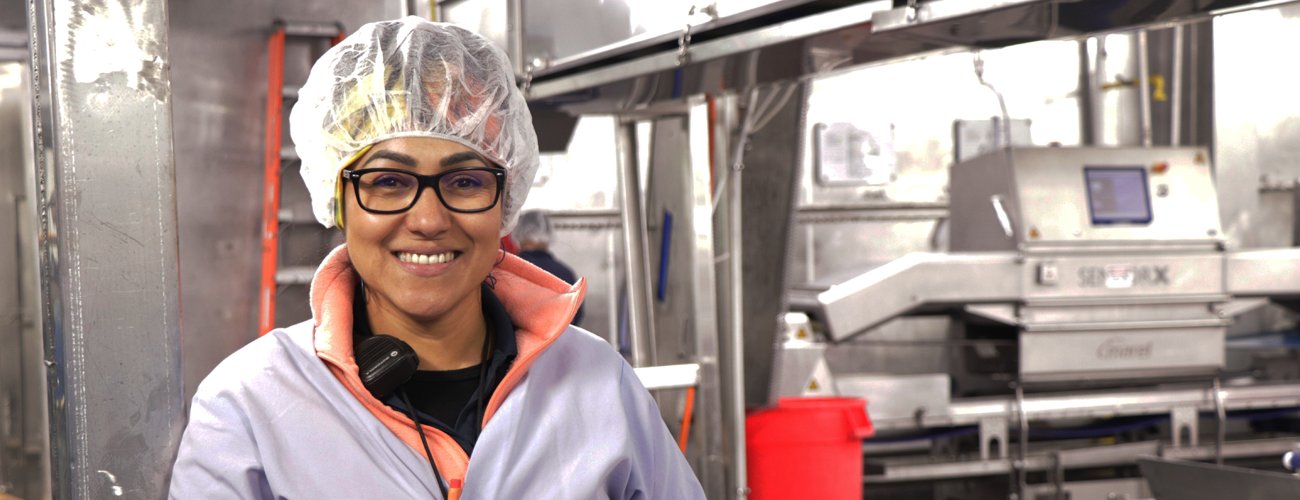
[482,379]
[437,477]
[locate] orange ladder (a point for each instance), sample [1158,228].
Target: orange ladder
[276,92]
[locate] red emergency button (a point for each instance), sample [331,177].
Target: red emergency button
[1160,168]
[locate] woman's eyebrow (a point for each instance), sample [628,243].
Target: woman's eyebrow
[394,156]
[462,156]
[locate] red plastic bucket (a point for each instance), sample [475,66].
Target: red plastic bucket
[807,448]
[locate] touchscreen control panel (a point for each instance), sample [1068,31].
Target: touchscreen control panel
[1118,195]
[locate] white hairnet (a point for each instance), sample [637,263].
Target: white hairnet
[534,227]
[412,78]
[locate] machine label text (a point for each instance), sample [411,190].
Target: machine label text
[1123,276]
[1116,348]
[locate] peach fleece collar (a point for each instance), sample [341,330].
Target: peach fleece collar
[539,304]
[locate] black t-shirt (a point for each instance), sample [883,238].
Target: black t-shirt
[448,400]
[442,395]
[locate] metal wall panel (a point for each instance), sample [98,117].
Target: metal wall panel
[1257,160]
[1255,133]
[769,188]
[108,247]
[219,83]
[666,188]
[591,247]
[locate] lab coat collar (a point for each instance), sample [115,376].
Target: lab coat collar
[539,304]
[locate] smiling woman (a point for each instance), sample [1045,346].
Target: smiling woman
[423,258]
[428,344]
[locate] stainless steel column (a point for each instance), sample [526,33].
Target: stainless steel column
[635,258]
[704,307]
[1087,93]
[109,270]
[515,41]
[1176,90]
[1096,97]
[736,347]
[729,245]
[1144,86]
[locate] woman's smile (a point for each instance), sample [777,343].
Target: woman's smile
[426,264]
[425,259]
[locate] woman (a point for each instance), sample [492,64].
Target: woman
[416,143]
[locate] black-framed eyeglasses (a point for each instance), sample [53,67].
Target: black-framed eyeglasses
[391,190]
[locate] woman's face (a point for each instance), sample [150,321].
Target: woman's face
[386,249]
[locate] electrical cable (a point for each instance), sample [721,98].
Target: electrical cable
[478,420]
[414,418]
[742,139]
[761,109]
[789,91]
[482,379]
[1002,103]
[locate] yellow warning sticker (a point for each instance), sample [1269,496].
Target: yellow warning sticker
[812,385]
[802,334]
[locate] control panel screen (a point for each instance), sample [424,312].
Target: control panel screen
[1118,195]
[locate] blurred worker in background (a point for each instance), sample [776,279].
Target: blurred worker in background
[435,365]
[533,235]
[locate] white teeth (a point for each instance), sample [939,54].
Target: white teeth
[425,259]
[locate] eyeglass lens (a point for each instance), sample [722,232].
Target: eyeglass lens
[460,190]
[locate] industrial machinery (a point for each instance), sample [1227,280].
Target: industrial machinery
[1089,283]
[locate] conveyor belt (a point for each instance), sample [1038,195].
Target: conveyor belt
[924,468]
[1152,401]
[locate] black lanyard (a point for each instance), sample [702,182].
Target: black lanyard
[478,414]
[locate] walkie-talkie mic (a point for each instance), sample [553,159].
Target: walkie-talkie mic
[384,363]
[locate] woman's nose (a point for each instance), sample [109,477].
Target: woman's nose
[428,216]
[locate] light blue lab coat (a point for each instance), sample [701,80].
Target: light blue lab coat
[271,422]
